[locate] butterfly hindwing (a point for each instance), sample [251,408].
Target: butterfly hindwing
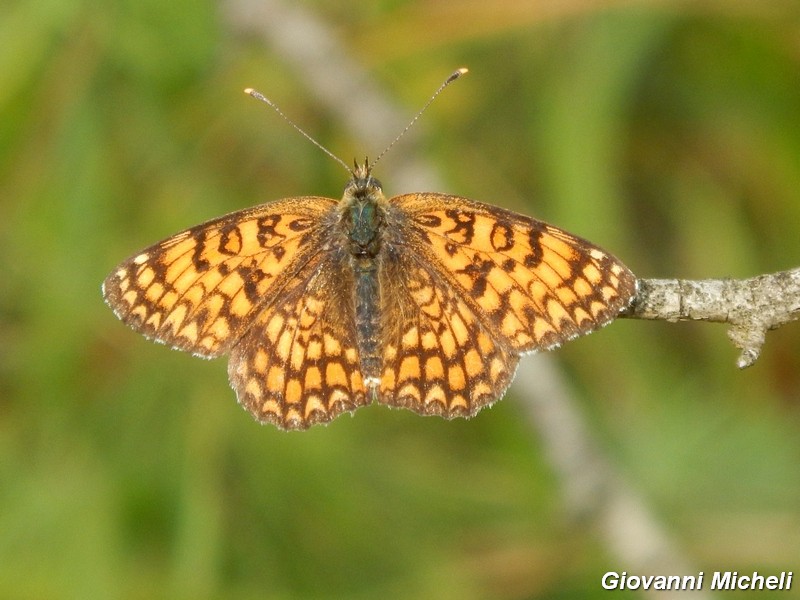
[298,363]
[439,356]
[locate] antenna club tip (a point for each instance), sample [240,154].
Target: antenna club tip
[458,73]
[249,91]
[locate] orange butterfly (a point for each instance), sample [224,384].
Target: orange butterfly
[424,300]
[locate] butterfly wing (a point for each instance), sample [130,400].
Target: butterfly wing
[532,285]
[199,290]
[298,364]
[439,356]
[468,287]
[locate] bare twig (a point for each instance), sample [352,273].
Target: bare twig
[751,306]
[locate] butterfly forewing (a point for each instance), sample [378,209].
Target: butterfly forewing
[201,289]
[532,285]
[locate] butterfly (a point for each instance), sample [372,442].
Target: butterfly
[423,301]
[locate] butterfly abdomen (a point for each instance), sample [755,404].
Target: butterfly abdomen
[367,317]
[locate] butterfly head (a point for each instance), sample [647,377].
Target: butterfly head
[362,185]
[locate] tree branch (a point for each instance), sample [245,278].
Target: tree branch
[751,306]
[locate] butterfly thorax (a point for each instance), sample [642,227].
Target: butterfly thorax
[362,215]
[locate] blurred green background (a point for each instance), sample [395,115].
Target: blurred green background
[669,135]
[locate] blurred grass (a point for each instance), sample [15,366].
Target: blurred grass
[669,136]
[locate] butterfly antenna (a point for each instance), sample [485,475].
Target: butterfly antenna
[267,101]
[448,81]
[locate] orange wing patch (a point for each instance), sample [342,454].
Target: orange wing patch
[198,290]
